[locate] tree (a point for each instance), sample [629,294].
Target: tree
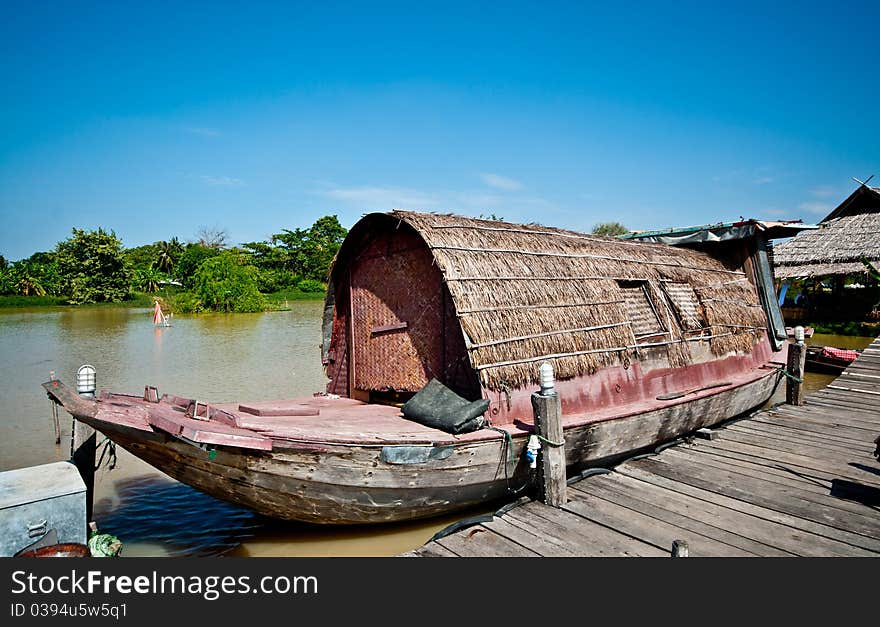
[611,229]
[312,250]
[225,283]
[37,275]
[148,279]
[27,280]
[189,262]
[213,237]
[167,254]
[92,267]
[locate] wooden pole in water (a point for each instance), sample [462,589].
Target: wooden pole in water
[83,439]
[797,356]
[547,408]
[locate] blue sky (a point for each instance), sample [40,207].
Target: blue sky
[156,119]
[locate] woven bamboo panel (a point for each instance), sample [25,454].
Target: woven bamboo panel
[337,363]
[390,286]
[640,312]
[687,305]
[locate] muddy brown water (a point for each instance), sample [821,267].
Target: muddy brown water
[219,358]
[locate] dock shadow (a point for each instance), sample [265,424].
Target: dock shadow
[870,469]
[858,492]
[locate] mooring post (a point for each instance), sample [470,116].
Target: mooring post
[797,355]
[547,408]
[83,439]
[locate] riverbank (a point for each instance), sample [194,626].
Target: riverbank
[276,300]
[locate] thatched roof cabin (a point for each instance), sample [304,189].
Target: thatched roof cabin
[846,235]
[479,304]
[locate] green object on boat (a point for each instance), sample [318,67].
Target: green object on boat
[104,545]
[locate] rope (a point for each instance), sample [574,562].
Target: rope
[550,442]
[109,445]
[506,460]
[506,449]
[789,375]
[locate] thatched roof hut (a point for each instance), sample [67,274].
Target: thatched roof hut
[848,234]
[481,303]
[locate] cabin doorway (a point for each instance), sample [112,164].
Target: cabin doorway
[397,319]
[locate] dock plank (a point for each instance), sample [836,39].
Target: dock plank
[790,432]
[772,483]
[779,497]
[861,545]
[661,532]
[482,542]
[764,537]
[574,530]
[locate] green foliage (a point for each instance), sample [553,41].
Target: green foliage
[272,280]
[311,286]
[224,283]
[266,256]
[32,301]
[167,255]
[185,302]
[310,251]
[610,229]
[190,260]
[147,279]
[35,276]
[92,267]
[140,256]
[863,329]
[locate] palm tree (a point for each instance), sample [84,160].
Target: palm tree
[165,255]
[28,284]
[148,280]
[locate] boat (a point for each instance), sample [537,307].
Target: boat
[829,360]
[159,317]
[648,342]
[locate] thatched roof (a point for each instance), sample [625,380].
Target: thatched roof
[848,234]
[528,293]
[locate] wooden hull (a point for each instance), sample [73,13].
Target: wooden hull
[353,484]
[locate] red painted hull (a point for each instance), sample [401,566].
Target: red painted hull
[337,469]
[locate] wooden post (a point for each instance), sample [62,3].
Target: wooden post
[547,408]
[551,460]
[83,444]
[83,439]
[797,355]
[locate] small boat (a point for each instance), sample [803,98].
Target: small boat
[648,342]
[159,317]
[829,360]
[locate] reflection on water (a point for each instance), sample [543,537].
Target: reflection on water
[213,357]
[151,512]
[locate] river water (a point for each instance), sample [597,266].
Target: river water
[215,357]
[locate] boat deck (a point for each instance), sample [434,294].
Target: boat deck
[789,481]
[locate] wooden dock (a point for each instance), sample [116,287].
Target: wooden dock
[794,480]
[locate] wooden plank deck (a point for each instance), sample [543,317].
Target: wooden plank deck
[790,481]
